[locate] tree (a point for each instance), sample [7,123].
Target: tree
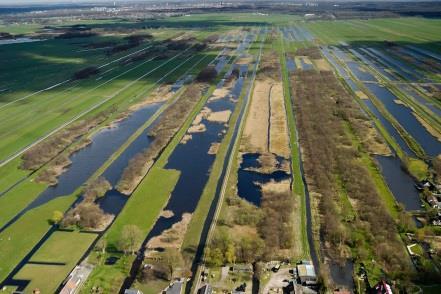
[57,217]
[130,238]
[101,245]
[172,259]
[215,257]
[230,253]
[208,74]
[436,163]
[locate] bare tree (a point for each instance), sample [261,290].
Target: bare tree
[130,237]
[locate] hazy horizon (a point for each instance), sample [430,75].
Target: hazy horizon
[46,2]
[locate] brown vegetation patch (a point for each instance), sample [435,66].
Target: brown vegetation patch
[269,67]
[46,150]
[266,128]
[268,162]
[224,91]
[51,173]
[173,237]
[186,138]
[372,140]
[244,231]
[276,187]
[200,128]
[214,147]
[361,94]
[256,125]
[311,52]
[277,226]
[161,94]
[220,93]
[279,139]
[428,127]
[219,116]
[96,188]
[142,166]
[322,64]
[167,213]
[245,60]
[87,215]
[201,115]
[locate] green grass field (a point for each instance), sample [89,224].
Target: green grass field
[424,32]
[65,248]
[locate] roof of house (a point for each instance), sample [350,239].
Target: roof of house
[132,291]
[206,289]
[306,270]
[175,288]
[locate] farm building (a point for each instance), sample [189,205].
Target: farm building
[175,288]
[242,268]
[132,291]
[306,273]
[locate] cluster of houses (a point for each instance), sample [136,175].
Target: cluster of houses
[433,197]
[303,278]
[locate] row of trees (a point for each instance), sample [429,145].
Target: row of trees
[85,73]
[333,168]
[132,42]
[224,249]
[72,34]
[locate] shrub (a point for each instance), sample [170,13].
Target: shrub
[85,73]
[207,75]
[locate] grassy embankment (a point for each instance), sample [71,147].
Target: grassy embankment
[297,183]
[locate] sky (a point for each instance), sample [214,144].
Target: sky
[19,2]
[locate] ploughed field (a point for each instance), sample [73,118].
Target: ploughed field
[141,153]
